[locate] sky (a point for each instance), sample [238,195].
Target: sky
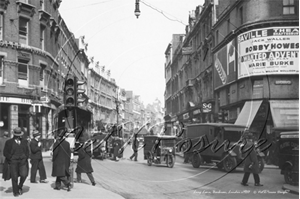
[132,49]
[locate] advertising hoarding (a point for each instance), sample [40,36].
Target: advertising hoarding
[268,51]
[225,65]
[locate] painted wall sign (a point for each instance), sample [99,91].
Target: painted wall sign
[14,100]
[225,65]
[268,51]
[283,82]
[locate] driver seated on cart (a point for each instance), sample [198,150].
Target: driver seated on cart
[156,148]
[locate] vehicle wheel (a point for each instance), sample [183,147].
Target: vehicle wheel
[229,163]
[196,160]
[219,165]
[261,164]
[170,161]
[288,176]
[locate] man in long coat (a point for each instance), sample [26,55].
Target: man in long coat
[251,161]
[16,153]
[37,159]
[84,163]
[61,162]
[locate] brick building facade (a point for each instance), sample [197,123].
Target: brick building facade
[37,51]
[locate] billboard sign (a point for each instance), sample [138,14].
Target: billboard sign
[268,51]
[225,65]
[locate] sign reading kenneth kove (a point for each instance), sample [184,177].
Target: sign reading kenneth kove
[268,51]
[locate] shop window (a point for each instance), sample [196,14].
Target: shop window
[22,69]
[289,7]
[42,37]
[228,95]
[1,26]
[23,72]
[257,88]
[241,15]
[228,26]
[1,70]
[23,31]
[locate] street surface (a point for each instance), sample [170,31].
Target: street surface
[137,180]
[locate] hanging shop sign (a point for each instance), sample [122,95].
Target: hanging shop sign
[195,112]
[268,51]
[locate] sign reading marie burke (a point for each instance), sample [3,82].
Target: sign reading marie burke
[268,51]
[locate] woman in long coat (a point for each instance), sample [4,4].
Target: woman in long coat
[61,162]
[251,162]
[84,164]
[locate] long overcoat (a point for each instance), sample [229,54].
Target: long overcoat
[251,158]
[61,158]
[84,164]
[2,143]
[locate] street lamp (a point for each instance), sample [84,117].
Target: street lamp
[137,11]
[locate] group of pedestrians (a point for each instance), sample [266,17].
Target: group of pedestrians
[15,152]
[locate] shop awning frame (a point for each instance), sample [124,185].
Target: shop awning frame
[249,111]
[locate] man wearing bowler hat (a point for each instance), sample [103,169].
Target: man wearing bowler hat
[37,159]
[16,153]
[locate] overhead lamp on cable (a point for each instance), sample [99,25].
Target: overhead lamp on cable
[137,11]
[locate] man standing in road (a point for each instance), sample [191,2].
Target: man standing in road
[37,159]
[16,153]
[135,146]
[61,162]
[251,161]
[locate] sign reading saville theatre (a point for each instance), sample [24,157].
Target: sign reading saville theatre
[268,51]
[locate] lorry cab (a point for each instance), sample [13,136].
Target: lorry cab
[215,143]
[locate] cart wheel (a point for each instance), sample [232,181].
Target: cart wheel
[229,163]
[196,160]
[170,161]
[288,175]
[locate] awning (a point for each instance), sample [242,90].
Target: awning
[285,113]
[248,113]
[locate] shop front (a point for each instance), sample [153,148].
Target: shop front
[26,114]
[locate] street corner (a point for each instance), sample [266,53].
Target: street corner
[291,188]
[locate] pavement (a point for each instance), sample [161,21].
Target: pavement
[290,188]
[45,190]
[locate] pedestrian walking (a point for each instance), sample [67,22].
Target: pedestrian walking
[84,164]
[37,159]
[251,161]
[3,139]
[61,162]
[135,147]
[16,153]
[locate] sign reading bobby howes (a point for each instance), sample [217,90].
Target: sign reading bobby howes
[268,51]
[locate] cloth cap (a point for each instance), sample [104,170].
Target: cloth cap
[18,132]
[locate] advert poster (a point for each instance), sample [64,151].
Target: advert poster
[268,51]
[225,65]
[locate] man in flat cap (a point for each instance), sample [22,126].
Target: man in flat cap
[37,159]
[16,153]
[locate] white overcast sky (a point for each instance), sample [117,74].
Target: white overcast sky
[133,49]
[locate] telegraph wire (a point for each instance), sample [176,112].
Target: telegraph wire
[87,5]
[163,13]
